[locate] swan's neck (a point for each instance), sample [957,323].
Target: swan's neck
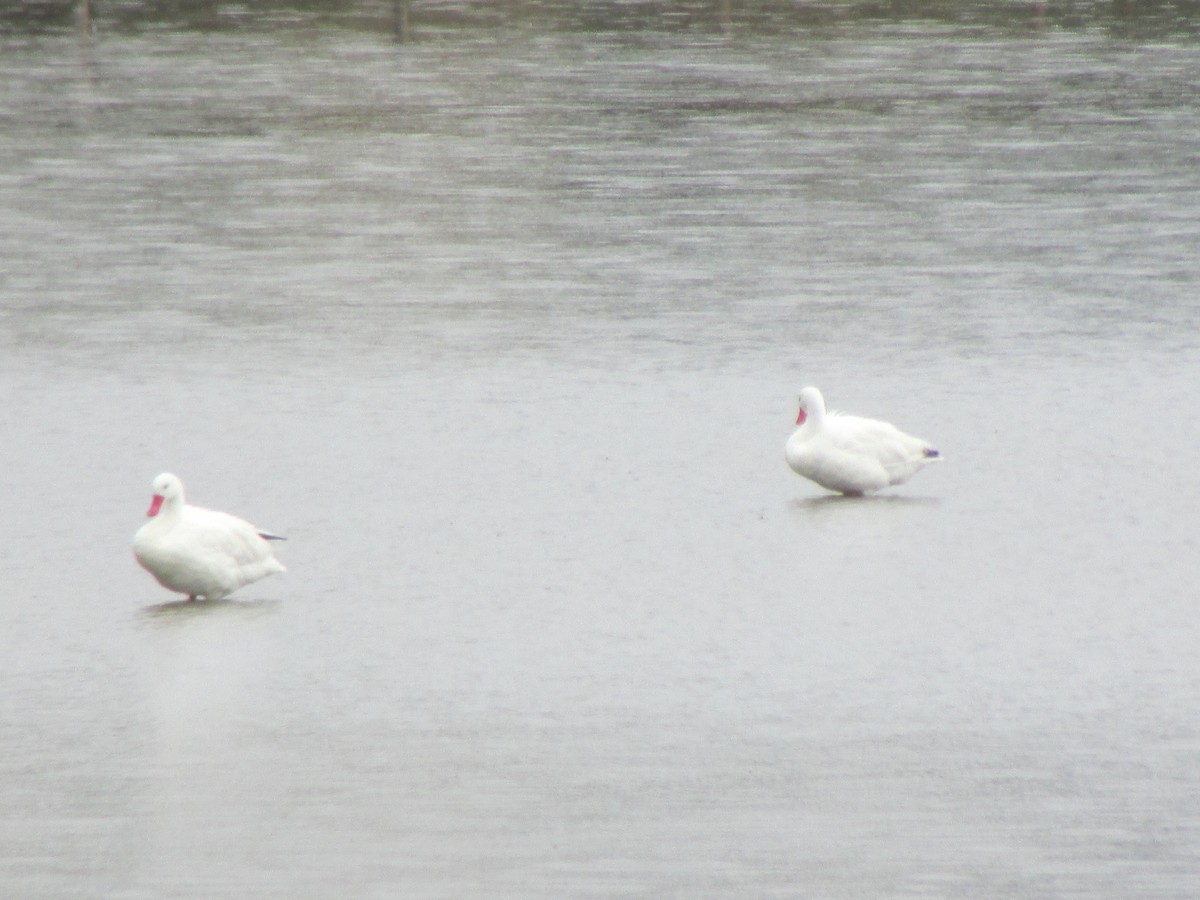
[814,418]
[170,511]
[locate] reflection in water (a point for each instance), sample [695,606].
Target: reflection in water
[829,501]
[174,612]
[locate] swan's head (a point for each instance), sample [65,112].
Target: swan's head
[811,403]
[166,487]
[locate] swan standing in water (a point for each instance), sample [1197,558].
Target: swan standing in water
[849,454]
[197,551]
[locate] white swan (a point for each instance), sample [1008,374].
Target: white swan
[197,551]
[849,454]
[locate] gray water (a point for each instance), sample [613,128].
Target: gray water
[503,327]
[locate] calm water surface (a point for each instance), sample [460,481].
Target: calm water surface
[503,329]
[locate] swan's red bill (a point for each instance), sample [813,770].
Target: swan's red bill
[801,417]
[155,505]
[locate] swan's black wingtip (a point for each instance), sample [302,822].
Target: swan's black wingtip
[932,454]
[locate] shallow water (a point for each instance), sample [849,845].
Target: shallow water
[503,328]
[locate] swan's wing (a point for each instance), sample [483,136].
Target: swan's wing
[881,441]
[222,534]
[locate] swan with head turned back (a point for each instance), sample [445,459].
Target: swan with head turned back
[849,454]
[200,552]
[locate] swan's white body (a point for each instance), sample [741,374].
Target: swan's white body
[849,454]
[197,551]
